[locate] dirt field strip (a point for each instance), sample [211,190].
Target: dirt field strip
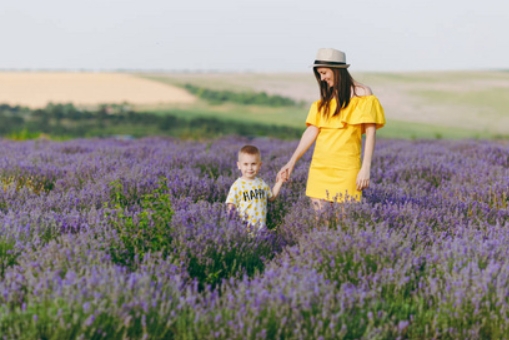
[37,89]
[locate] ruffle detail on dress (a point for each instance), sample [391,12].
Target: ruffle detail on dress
[364,110]
[360,110]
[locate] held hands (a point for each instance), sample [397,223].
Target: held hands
[285,172]
[363,179]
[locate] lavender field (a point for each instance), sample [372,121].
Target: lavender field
[109,239]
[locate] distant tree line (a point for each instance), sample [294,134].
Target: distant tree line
[243,98]
[67,121]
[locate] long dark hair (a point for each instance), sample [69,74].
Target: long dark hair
[341,91]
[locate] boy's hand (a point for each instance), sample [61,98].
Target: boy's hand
[278,178]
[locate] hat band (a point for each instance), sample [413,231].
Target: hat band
[328,62]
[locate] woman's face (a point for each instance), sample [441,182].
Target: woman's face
[326,75]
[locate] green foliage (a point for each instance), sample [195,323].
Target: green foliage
[23,134]
[8,255]
[228,261]
[37,321]
[62,121]
[243,98]
[37,184]
[210,127]
[11,118]
[147,231]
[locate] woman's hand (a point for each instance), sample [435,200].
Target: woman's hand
[363,179]
[286,171]
[307,139]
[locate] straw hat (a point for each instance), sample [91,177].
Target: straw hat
[329,57]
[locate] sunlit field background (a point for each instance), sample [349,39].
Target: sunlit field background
[417,105]
[113,223]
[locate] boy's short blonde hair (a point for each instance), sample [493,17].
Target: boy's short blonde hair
[250,150]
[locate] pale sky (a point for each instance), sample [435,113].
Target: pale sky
[253,35]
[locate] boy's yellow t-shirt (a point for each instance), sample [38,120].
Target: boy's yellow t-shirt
[250,199]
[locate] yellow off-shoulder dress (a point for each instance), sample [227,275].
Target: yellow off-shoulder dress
[337,156]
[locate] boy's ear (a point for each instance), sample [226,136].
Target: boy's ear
[238,165]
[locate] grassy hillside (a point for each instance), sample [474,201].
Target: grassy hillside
[417,105]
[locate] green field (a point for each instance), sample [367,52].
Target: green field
[417,105]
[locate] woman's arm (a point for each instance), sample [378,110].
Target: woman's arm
[369,146]
[307,139]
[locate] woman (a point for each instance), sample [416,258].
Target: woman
[346,110]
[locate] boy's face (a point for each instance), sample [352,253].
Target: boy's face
[249,165]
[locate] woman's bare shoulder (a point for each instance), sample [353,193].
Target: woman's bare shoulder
[362,90]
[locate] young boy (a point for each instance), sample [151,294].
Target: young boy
[249,194]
